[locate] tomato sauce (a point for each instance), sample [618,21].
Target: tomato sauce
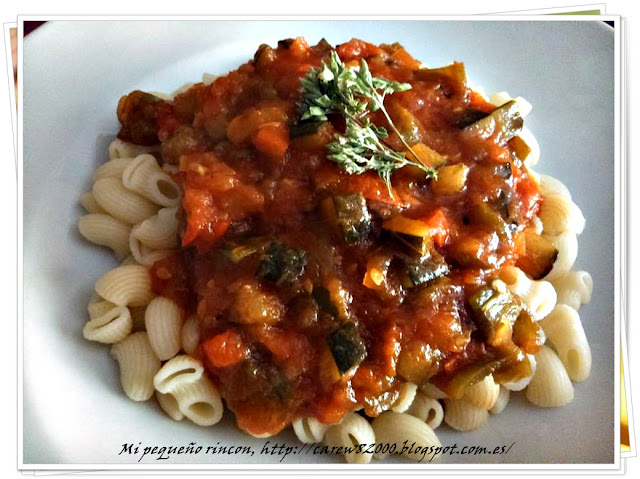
[250,180]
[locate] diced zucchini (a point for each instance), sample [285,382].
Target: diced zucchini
[426,156]
[333,299]
[484,215]
[418,362]
[353,217]
[281,264]
[451,179]
[426,268]
[538,254]
[509,364]
[527,333]
[407,124]
[494,312]
[504,120]
[467,117]
[453,75]
[347,347]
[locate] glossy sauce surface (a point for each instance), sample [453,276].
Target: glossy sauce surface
[249,180]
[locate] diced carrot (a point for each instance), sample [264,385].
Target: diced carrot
[225,349]
[272,139]
[439,226]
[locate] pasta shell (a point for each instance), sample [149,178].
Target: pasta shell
[483,394]
[352,430]
[126,286]
[550,386]
[461,415]
[407,394]
[501,402]
[105,230]
[138,365]
[199,401]
[110,327]
[309,430]
[163,322]
[565,332]
[427,409]
[176,372]
[396,428]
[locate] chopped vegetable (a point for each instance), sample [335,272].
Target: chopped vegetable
[353,217]
[225,349]
[424,269]
[347,347]
[520,148]
[425,155]
[527,334]
[452,77]
[469,116]
[494,313]
[451,179]
[281,264]
[537,254]
[505,121]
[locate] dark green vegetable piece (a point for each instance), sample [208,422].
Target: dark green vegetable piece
[505,121]
[485,215]
[424,269]
[347,347]
[281,264]
[494,312]
[469,116]
[323,299]
[353,217]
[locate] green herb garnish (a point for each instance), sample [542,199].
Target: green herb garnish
[353,93]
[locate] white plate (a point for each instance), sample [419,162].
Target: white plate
[74,74]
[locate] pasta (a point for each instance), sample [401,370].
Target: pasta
[190,334]
[199,401]
[319,294]
[550,386]
[427,409]
[565,332]
[484,394]
[177,372]
[407,394]
[143,176]
[352,430]
[105,230]
[118,201]
[501,402]
[169,405]
[574,288]
[109,326]
[539,296]
[138,365]
[90,204]
[126,286]
[163,321]
[461,415]
[123,149]
[309,429]
[395,428]
[567,246]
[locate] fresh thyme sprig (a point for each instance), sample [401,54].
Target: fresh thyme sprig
[353,92]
